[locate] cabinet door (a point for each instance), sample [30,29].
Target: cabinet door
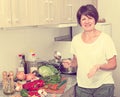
[22,13]
[5,13]
[84,2]
[53,11]
[47,12]
[68,11]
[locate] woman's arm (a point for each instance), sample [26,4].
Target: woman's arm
[110,65]
[74,61]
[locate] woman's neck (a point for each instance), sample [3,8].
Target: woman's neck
[90,33]
[90,36]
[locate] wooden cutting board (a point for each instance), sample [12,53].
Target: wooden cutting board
[56,91]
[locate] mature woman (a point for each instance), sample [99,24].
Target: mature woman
[94,54]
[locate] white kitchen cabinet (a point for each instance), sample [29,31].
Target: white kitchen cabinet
[69,8]
[68,11]
[84,2]
[5,13]
[47,12]
[22,12]
[16,13]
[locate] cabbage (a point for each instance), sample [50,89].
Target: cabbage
[47,70]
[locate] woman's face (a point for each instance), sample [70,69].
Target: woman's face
[87,23]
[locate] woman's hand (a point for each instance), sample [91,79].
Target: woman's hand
[93,71]
[66,63]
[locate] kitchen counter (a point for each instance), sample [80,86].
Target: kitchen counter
[69,90]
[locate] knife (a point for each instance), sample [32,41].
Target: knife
[61,83]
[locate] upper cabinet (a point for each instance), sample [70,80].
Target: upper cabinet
[83,2]
[68,11]
[69,8]
[47,12]
[22,12]
[15,13]
[5,13]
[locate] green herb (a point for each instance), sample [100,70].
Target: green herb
[24,93]
[52,79]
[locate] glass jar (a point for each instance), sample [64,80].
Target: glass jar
[8,83]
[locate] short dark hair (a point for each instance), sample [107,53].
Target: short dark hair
[87,10]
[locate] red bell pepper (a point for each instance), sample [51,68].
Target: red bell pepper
[34,85]
[32,93]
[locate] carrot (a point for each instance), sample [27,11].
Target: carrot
[57,86]
[53,86]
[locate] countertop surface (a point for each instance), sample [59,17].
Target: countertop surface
[71,81]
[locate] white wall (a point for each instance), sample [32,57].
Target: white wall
[111,12]
[14,41]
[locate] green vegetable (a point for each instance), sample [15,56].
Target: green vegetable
[47,70]
[49,74]
[52,79]
[24,93]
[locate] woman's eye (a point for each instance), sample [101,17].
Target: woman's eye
[83,19]
[90,17]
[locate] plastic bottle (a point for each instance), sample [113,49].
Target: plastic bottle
[33,63]
[20,67]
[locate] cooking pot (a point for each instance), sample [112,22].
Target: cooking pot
[66,67]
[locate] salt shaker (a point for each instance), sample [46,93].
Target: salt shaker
[4,80]
[8,83]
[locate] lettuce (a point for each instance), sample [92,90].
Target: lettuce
[47,70]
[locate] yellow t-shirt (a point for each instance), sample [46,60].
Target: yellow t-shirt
[92,54]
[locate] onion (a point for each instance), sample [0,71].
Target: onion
[30,76]
[18,87]
[20,75]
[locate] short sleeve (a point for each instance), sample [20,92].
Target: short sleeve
[72,49]
[110,49]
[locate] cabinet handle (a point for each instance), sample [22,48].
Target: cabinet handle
[47,19]
[9,21]
[16,21]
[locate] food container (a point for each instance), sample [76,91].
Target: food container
[66,67]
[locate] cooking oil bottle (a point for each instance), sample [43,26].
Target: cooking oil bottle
[32,61]
[20,64]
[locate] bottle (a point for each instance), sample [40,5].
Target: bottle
[12,84]
[33,63]
[24,64]
[21,66]
[8,85]
[4,80]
